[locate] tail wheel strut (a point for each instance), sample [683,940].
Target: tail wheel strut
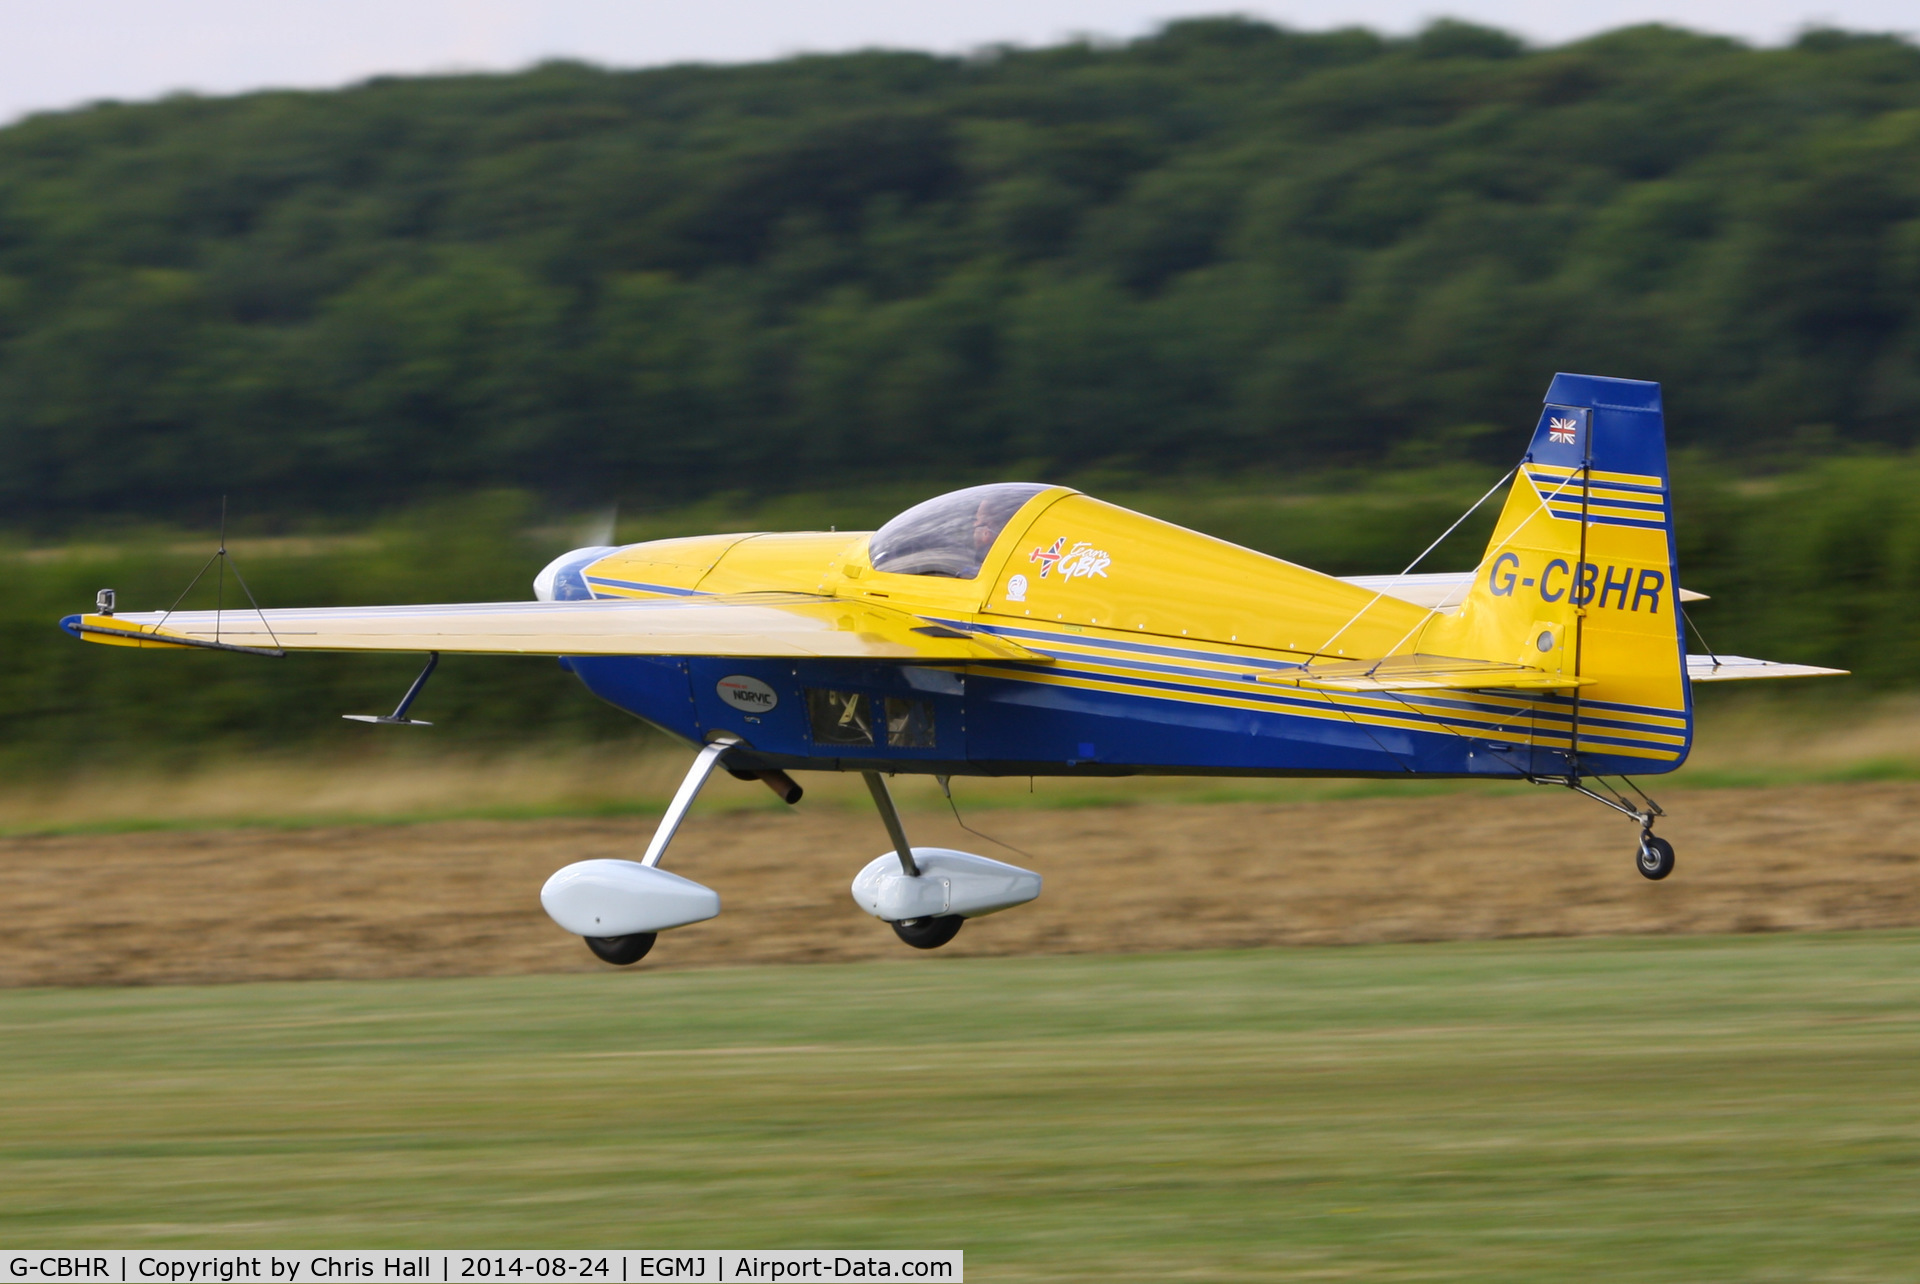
[1652,856]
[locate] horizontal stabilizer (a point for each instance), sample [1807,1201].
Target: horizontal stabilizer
[1423,673]
[1441,673]
[1736,668]
[769,625]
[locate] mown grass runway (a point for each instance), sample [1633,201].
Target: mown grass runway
[1632,1109]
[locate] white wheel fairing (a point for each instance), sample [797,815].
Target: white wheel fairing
[950,882]
[624,898]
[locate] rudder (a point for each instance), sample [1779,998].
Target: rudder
[1579,578]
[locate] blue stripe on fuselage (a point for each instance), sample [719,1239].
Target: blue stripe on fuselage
[1029,725]
[668,589]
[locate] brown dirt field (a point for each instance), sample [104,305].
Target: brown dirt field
[461,897]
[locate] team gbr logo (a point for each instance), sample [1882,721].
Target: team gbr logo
[1561,431]
[750,694]
[1082,561]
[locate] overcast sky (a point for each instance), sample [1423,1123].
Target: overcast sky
[59,53]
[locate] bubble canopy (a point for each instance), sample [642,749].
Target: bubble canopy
[951,534]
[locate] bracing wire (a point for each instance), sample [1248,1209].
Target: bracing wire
[220,576]
[253,602]
[189,588]
[222,556]
[1334,704]
[1434,610]
[1492,552]
[1491,491]
[1704,644]
[947,789]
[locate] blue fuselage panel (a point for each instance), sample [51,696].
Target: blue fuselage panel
[845,715]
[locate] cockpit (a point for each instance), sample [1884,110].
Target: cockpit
[949,535]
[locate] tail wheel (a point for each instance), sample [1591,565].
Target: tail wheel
[1654,860]
[620,950]
[928,933]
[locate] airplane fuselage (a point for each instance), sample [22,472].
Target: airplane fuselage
[1151,708]
[1128,645]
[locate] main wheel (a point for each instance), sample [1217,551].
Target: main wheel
[621,950]
[1654,860]
[928,933]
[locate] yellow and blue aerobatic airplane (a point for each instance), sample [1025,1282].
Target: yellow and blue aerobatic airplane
[1022,629]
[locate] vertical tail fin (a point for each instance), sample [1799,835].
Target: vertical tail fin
[1579,579]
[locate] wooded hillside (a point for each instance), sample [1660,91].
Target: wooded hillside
[1221,247]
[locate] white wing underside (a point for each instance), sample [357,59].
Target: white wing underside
[774,625]
[794,625]
[1736,668]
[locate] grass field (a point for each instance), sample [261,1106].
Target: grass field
[1651,1109]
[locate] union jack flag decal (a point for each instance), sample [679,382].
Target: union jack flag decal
[1561,431]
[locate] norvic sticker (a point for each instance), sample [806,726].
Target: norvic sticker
[743,692]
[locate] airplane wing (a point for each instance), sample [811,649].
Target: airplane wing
[788,625]
[1443,590]
[1422,673]
[1733,668]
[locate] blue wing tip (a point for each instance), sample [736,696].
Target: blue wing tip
[71,623]
[1600,390]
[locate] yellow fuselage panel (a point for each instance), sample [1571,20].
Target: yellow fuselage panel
[793,561]
[1065,559]
[1081,561]
[751,562]
[639,570]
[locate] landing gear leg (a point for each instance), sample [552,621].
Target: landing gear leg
[922,933]
[703,764]
[1653,857]
[624,950]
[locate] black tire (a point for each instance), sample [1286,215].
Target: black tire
[928,933]
[621,950]
[1654,860]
